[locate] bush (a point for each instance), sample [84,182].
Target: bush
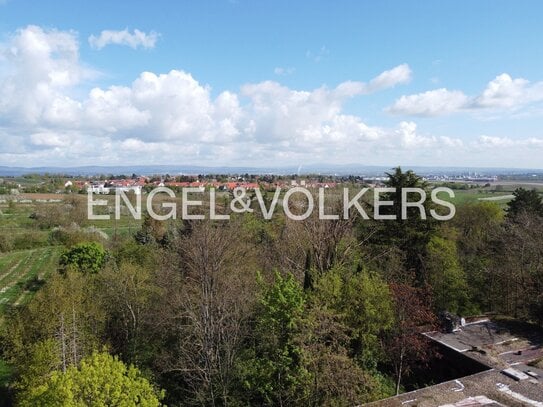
[85,257]
[74,234]
[6,243]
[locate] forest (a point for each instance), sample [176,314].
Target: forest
[256,312]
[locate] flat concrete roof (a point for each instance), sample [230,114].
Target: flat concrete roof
[492,384]
[476,335]
[497,344]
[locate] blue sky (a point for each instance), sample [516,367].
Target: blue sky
[241,82]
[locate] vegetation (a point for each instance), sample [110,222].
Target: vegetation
[84,257]
[98,380]
[250,311]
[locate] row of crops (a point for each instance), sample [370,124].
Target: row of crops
[23,272]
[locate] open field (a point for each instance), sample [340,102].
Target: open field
[499,193]
[16,214]
[23,272]
[476,195]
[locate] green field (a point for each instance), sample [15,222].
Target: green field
[474,195]
[499,194]
[23,272]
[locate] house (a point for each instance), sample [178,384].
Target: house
[98,189]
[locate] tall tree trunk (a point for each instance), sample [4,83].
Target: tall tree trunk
[399,377]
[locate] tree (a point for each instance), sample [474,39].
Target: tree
[410,235]
[152,231]
[478,226]
[64,312]
[525,201]
[363,299]
[272,369]
[84,257]
[446,276]
[517,280]
[99,380]
[337,379]
[406,347]
[126,293]
[207,298]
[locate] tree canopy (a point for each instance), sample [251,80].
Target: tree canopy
[525,201]
[86,257]
[100,380]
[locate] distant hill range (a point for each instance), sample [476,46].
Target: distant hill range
[349,169]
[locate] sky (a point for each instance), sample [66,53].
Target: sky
[260,83]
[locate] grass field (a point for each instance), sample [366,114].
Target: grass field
[500,193]
[474,195]
[23,272]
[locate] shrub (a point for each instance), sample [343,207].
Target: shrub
[6,243]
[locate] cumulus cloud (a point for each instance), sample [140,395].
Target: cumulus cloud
[41,66]
[171,117]
[133,40]
[430,103]
[506,92]
[502,93]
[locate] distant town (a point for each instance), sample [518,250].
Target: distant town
[100,183]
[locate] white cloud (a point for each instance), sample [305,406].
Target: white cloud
[133,40]
[49,139]
[506,92]
[485,141]
[430,103]
[502,93]
[398,75]
[408,137]
[388,79]
[41,67]
[173,118]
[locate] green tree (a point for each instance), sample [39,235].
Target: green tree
[99,380]
[85,257]
[64,312]
[364,301]
[525,201]
[272,369]
[152,231]
[410,235]
[337,378]
[478,226]
[517,284]
[126,293]
[446,276]
[41,359]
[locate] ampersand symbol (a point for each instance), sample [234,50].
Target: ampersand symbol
[239,195]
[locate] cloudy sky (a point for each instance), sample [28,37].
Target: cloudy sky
[244,82]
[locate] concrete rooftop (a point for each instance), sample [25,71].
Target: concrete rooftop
[497,344]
